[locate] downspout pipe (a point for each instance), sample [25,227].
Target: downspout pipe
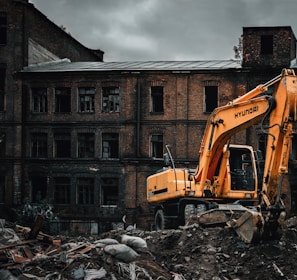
[138,93]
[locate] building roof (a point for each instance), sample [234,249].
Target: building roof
[65,65]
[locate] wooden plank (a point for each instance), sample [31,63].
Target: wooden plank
[19,259]
[4,247]
[28,252]
[76,248]
[36,227]
[87,249]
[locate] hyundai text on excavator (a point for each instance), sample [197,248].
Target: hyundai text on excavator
[233,184]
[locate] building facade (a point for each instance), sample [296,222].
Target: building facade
[26,36]
[85,134]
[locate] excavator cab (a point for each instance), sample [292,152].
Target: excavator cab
[242,169]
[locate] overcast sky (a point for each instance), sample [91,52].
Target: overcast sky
[144,30]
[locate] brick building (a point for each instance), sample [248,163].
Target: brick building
[88,133]
[26,37]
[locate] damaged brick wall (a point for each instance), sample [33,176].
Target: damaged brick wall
[268,47]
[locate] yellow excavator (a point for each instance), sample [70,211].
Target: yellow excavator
[234,185]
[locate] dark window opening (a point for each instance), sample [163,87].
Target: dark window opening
[85,190]
[62,190]
[2,88]
[39,188]
[267,44]
[39,145]
[157,99]
[62,100]
[86,143]
[110,145]
[3,28]
[39,100]
[157,146]
[2,144]
[211,98]
[86,100]
[62,145]
[110,99]
[2,189]
[109,191]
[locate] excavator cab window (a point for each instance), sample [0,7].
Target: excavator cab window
[242,169]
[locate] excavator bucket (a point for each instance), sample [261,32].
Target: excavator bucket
[247,222]
[249,226]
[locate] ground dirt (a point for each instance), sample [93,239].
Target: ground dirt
[189,253]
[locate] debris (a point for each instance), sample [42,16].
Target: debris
[134,241]
[121,252]
[190,252]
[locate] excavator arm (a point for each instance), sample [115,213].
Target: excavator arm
[281,111]
[225,122]
[279,137]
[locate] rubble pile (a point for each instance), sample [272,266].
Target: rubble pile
[190,252]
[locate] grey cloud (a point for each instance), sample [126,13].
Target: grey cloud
[165,29]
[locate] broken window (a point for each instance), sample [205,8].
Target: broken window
[267,44]
[110,145]
[109,191]
[156,146]
[62,145]
[210,98]
[39,100]
[62,190]
[110,99]
[85,190]
[39,188]
[157,99]
[2,88]
[3,28]
[86,142]
[39,145]
[62,100]
[2,189]
[86,100]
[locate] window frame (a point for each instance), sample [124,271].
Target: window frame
[62,137]
[110,97]
[2,189]
[106,189]
[3,28]
[40,140]
[156,145]
[62,100]
[2,88]
[66,190]
[85,191]
[208,103]
[38,188]
[84,105]
[85,145]
[157,100]
[40,99]
[266,44]
[110,145]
